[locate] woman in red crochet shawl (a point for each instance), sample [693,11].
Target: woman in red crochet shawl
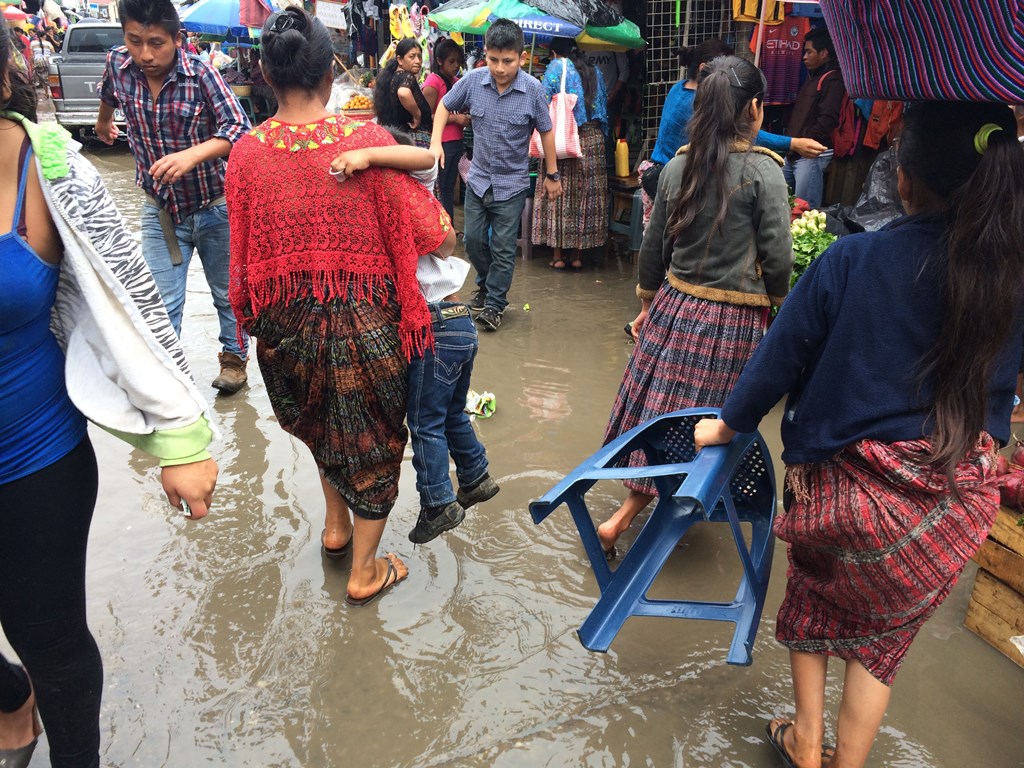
[323,274]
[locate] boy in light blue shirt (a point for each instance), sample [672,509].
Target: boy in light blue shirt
[505,105]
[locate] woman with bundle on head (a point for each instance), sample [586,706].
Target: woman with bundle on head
[330,291]
[83,335]
[449,59]
[579,218]
[397,97]
[716,256]
[899,351]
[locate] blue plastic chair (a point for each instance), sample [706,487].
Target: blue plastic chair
[731,484]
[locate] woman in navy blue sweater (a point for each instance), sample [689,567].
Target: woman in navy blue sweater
[899,352]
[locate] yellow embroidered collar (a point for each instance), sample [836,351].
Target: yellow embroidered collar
[292,137]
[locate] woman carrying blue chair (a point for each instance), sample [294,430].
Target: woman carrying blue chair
[899,351]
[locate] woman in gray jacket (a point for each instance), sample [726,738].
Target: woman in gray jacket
[716,257]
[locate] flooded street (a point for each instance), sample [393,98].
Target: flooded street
[227,642]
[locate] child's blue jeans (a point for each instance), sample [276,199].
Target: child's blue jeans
[438,383]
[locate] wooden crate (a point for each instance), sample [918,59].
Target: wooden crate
[996,610]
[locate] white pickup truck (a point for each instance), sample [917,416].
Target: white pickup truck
[76,72]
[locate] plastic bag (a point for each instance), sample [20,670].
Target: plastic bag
[879,201]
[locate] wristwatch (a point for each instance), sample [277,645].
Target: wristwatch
[556,176]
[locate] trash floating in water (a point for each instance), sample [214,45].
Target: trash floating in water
[480,404]
[526,307]
[1018,642]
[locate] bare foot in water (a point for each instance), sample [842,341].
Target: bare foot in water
[608,533]
[610,530]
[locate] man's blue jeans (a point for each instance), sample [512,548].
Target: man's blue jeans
[438,423]
[206,232]
[493,256]
[806,177]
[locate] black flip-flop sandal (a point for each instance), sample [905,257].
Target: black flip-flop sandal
[338,553]
[777,740]
[388,582]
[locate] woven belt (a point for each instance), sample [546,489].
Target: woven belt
[447,313]
[167,225]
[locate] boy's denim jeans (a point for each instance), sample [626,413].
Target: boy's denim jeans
[438,383]
[205,231]
[492,229]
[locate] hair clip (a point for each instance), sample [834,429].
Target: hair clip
[981,137]
[736,77]
[286,21]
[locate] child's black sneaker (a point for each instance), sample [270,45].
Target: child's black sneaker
[483,489]
[434,521]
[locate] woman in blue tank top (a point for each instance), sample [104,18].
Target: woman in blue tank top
[48,473]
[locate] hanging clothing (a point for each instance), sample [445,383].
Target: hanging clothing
[884,123]
[782,53]
[750,10]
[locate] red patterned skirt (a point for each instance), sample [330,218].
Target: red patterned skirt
[336,376]
[876,542]
[690,354]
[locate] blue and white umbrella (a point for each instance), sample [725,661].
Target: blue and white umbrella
[216,17]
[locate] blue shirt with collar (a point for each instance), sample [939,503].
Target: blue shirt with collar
[502,126]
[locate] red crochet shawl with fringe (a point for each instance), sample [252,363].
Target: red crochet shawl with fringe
[295,229]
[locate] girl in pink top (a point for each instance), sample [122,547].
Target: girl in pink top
[449,58]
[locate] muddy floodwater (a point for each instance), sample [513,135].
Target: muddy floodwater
[227,642]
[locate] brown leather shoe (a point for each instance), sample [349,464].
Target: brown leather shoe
[232,373]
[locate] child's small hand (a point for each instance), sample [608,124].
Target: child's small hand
[347,163]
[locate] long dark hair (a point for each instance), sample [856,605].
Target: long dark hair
[382,97]
[23,96]
[443,51]
[693,56]
[721,118]
[567,49]
[983,188]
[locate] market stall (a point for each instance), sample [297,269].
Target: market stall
[220,21]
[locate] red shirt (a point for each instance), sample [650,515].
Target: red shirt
[296,230]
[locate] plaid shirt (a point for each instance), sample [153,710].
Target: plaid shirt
[502,126]
[194,105]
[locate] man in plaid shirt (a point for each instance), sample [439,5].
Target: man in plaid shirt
[182,121]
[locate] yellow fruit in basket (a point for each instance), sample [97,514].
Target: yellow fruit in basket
[358,102]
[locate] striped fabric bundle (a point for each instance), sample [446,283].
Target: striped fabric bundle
[959,50]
